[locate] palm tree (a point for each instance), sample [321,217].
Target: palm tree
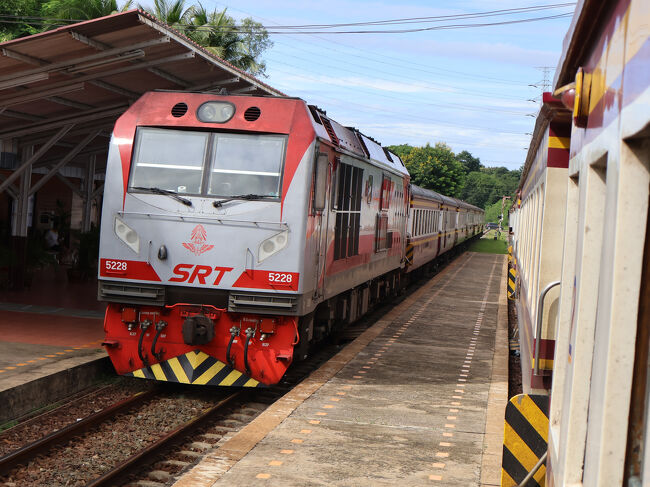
[173,13]
[219,33]
[83,9]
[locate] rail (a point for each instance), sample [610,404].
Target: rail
[540,314]
[151,451]
[28,452]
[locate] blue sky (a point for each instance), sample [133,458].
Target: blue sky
[466,87]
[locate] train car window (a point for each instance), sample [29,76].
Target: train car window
[348,214]
[246,164]
[320,182]
[385,193]
[171,160]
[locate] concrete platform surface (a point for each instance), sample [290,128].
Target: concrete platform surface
[44,357]
[406,404]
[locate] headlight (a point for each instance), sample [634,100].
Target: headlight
[215,112]
[127,235]
[273,245]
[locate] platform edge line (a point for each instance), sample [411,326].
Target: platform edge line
[498,392]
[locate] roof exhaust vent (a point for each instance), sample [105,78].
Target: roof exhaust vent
[179,110]
[252,114]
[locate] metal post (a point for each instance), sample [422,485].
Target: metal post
[540,313]
[89,184]
[537,466]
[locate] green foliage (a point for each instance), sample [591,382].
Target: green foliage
[435,168]
[221,35]
[478,185]
[82,9]
[401,150]
[489,184]
[22,8]
[469,162]
[493,211]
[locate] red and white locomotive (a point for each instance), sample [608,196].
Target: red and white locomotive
[237,230]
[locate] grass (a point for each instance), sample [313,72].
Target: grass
[488,245]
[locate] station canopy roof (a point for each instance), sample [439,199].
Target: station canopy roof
[62,90]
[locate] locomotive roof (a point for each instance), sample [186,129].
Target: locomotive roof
[349,139]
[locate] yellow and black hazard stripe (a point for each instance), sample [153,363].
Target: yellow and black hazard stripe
[512,283]
[525,439]
[196,367]
[409,252]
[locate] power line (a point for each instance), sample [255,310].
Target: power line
[293,30]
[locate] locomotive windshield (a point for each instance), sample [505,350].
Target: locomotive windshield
[208,164]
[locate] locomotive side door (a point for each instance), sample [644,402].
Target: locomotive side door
[322,178]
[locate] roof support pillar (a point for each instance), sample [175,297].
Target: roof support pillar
[20,221]
[89,186]
[28,162]
[20,224]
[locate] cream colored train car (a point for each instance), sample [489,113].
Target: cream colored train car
[537,221]
[599,432]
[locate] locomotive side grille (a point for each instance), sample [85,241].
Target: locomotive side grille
[131,293]
[330,131]
[251,114]
[262,303]
[179,110]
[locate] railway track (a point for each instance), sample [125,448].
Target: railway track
[85,453]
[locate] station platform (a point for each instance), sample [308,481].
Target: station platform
[417,399]
[50,344]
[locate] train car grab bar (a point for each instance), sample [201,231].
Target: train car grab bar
[540,313]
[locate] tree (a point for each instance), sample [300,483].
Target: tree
[22,10]
[435,168]
[240,45]
[469,162]
[493,211]
[172,13]
[81,9]
[401,150]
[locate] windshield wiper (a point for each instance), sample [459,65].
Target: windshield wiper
[218,204]
[167,192]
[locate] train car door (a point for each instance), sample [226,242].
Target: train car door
[322,181]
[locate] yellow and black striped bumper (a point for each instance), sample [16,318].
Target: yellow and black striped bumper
[525,439]
[197,368]
[512,283]
[409,253]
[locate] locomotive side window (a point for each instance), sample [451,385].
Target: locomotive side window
[171,160]
[246,164]
[348,210]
